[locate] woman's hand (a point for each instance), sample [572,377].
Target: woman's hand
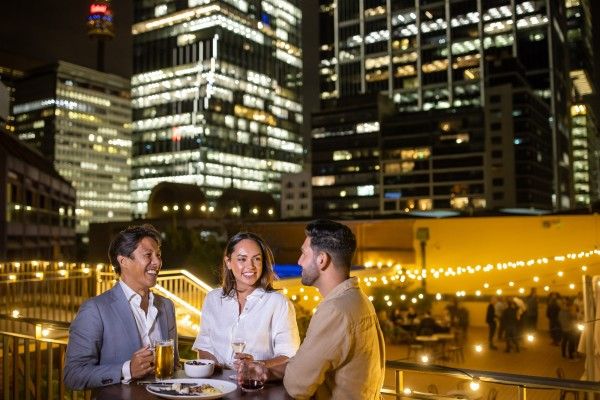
[241,357]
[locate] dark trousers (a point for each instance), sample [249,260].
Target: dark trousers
[532,322]
[511,337]
[555,330]
[492,331]
[567,344]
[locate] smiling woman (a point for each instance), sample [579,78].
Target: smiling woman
[247,307]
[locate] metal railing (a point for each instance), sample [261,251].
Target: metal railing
[32,369]
[51,295]
[55,293]
[522,386]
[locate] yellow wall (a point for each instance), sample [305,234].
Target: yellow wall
[463,242]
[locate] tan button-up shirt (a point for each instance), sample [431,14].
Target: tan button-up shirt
[343,354]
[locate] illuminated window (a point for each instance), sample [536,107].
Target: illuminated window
[367,190]
[340,155]
[323,180]
[418,153]
[160,10]
[425,204]
[459,202]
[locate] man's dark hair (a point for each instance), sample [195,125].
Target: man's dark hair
[126,241]
[333,238]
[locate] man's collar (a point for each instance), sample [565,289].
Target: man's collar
[349,283]
[130,293]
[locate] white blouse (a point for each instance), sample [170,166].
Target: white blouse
[267,323]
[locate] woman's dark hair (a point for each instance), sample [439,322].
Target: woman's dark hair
[267,276]
[126,241]
[333,238]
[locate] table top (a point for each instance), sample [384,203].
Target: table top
[134,391]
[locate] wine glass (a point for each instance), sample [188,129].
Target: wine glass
[238,343]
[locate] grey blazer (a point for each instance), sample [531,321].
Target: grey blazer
[104,335]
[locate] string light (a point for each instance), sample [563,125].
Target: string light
[530,338]
[474,385]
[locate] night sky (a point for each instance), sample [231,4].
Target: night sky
[55,30]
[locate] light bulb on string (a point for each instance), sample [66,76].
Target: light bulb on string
[474,384]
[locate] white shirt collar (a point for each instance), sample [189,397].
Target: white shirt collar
[134,297]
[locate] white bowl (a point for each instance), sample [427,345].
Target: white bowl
[199,368]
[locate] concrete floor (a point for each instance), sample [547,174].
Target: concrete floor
[539,358]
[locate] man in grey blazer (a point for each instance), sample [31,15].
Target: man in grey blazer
[110,338]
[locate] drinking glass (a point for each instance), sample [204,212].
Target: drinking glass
[252,375]
[164,358]
[238,342]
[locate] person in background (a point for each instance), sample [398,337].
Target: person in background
[111,336]
[552,311]
[521,310]
[531,315]
[343,354]
[510,322]
[490,320]
[265,318]
[499,309]
[463,320]
[567,317]
[427,325]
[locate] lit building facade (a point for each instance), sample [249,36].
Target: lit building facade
[584,109]
[81,120]
[345,149]
[216,95]
[368,159]
[429,55]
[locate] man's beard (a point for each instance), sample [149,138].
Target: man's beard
[310,275]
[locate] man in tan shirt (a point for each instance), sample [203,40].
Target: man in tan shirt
[343,354]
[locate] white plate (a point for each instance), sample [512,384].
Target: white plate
[224,386]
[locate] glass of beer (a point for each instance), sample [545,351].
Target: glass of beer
[164,358]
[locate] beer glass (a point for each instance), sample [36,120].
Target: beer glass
[164,358]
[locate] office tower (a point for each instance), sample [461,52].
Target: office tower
[433,55]
[346,151]
[470,158]
[81,120]
[584,108]
[215,95]
[37,221]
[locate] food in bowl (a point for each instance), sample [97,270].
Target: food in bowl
[199,368]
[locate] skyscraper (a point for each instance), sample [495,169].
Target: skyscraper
[584,108]
[216,95]
[81,120]
[429,55]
